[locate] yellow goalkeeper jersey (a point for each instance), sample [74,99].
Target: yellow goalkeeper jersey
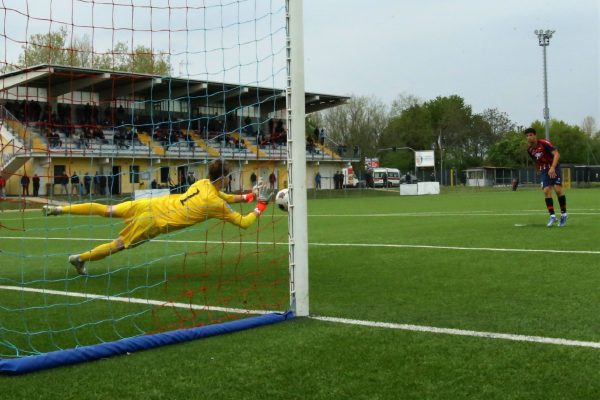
[200,202]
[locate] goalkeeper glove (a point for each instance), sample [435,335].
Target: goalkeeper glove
[248,197]
[264,196]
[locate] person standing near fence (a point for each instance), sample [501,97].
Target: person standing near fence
[25,184]
[87,183]
[75,184]
[36,185]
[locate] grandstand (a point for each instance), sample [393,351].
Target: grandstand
[137,128]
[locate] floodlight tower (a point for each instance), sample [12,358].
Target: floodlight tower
[544,41]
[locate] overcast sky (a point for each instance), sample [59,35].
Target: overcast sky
[482,50]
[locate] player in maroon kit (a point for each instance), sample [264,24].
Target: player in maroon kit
[546,158]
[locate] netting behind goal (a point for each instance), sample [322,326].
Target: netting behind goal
[108,101]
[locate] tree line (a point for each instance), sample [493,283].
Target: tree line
[59,48]
[447,125]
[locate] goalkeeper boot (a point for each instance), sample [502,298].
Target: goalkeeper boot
[50,210]
[78,264]
[563,219]
[551,221]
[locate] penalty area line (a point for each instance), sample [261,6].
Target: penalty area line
[461,332]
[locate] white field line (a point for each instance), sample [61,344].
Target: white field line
[490,213]
[377,245]
[460,332]
[455,213]
[135,300]
[387,325]
[424,246]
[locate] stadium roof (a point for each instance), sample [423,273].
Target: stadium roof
[114,84]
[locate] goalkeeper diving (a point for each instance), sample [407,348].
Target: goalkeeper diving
[147,218]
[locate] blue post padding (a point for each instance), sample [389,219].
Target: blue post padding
[103,350]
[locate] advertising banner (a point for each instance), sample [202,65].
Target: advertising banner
[371,163]
[424,158]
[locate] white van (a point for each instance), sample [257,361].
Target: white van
[393,177]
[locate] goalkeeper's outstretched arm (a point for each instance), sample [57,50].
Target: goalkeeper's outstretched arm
[237,198]
[244,221]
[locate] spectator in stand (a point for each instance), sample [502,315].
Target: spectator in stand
[260,138]
[318,181]
[322,136]
[280,136]
[99,135]
[271,127]
[153,184]
[81,142]
[25,184]
[57,141]
[120,113]
[108,116]
[272,180]
[2,187]
[253,179]
[95,113]
[310,145]
[189,140]
[248,128]
[36,185]
[87,113]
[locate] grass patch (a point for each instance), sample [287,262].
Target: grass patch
[468,259]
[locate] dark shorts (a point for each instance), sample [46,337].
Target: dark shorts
[547,181]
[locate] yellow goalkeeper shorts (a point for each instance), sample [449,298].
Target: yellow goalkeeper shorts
[140,225]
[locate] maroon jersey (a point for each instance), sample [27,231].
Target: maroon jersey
[542,154]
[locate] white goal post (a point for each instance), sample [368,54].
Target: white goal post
[296,160]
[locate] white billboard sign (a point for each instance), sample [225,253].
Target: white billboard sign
[424,158]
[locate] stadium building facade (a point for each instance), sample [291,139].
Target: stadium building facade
[130,131]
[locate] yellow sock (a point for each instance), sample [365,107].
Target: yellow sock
[100,252]
[86,209]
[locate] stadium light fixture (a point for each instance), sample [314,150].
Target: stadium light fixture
[544,41]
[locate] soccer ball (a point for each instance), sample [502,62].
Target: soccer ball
[282,200]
